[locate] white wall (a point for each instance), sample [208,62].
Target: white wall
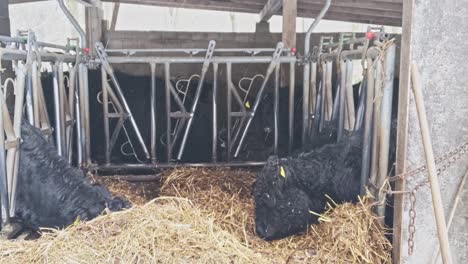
[46,20]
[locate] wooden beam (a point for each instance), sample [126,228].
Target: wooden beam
[354,18]
[11,2]
[384,12]
[402,130]
[289,33]
[115,14]
[93,18]
[289,22]
[271,8]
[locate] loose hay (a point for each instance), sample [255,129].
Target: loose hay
[166,230]
[217,226]
[348,233]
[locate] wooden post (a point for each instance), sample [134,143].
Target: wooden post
[433,180]
[402,129]
[93,27]
[289,32]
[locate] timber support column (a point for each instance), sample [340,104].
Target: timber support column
[289,33]
[94,23]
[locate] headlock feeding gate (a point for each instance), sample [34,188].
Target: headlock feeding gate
[327,98]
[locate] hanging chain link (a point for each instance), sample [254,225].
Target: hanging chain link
[444,162]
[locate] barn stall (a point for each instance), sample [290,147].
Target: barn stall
[208,107]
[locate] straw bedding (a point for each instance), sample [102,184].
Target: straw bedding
[212,223]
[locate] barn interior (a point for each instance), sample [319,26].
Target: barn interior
[187,125]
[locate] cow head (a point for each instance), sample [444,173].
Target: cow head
[281,208]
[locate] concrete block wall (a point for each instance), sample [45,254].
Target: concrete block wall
[439,47]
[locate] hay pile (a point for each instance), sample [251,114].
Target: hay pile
[213,223]
[166,230]
[348,233]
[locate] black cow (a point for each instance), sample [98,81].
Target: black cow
[51,193]
[286,190]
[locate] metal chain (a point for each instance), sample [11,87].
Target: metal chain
[446,161]
[450,156]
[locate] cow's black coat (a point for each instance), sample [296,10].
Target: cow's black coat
[283,201]
[51,193]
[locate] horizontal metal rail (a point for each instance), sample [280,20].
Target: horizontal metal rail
[150,166]
[227,59]
[13,54]
[192,51]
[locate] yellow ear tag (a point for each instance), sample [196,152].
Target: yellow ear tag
[247,104]
[282,172]
[77,221]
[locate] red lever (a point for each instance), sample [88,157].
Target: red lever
[293,50]
[86,50]
[370,35]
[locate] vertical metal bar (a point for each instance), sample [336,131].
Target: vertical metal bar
[206,66]
[18,117]
[349,94]
[426,138]
[385,122]
[167,73]
[292,90]
[105,108]
[4,201]
[341,115]
[322,97]
[361,105]
[318,109]
[376,123]
[214,142]
[276,108]
[58,127]
[307,65]
[82,123]
[61,94]
[328,90]
[71,105]
[336,101]
[29,96]
[85,123]
[313,97]
[79,135]
[35,88]
[153,112]
[305,103]
[367,141]
[229,109]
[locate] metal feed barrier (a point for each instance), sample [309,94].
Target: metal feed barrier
[374,111]
[238,122]
[28,56]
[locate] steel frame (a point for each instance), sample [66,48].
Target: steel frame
[27,57]
[183,116]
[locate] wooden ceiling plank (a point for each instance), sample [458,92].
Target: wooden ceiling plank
[271,8]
